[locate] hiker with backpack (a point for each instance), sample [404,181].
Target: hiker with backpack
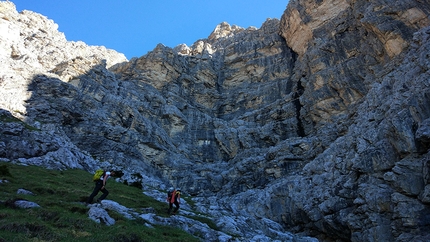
[100,178]
[173,197]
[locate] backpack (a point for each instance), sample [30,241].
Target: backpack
[99,173]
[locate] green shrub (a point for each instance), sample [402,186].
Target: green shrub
[4,171]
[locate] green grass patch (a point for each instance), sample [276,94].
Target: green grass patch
[62,215]
[189,201]
[207,221]
[11,119]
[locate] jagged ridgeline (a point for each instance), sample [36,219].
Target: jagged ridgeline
[315,124]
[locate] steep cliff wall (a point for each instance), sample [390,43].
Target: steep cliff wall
[318,121]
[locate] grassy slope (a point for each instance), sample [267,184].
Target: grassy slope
[62,215]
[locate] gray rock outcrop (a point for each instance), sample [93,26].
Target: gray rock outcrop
[25,192]
[317,123]
[26,204]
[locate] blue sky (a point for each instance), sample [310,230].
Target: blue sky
[134,27]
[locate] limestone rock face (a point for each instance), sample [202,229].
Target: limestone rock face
[316,124]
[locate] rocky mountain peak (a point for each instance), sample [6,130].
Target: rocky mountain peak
[223,30]
[316,124]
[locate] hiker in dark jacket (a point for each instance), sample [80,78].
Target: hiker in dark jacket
[173,197]
[101,186]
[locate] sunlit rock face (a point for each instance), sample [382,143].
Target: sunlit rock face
[317,123]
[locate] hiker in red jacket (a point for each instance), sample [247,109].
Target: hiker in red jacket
[173,197]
